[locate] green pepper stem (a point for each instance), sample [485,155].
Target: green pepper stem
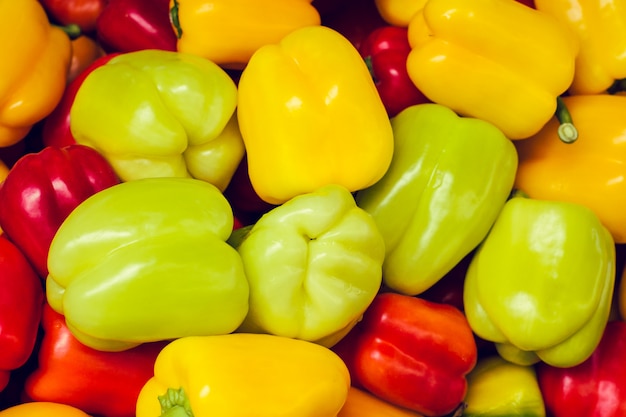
[175,20]
[174,403]
[617,87]
[72,30]
[567,131]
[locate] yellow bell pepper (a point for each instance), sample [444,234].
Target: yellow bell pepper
[310,115]
[242,375]
[42,409]
[496,60]
[398,12]
[600,26]
[36,58]
[228,32]
[497,388]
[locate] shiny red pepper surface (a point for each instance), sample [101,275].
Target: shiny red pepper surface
[83,13]
[386,50]
[596,387]
[411,352]
[21,302]
[106,384]
[41,190]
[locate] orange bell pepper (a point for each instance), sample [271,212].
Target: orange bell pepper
[85,50]
[361,403]
[589,171]
[42,409]
[33,82]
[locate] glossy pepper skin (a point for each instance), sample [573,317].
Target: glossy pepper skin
[311,96]
[106,384]
[496,60]
[134,25]
[83,13]
[21,301]
[228,32]
[446,184]
[33,83]
[242,374]
[596,387]
[497,388]
[313,265]
[399,12]
[134,261]
[361,403]
[385,50]
[43,409]
[41,190]
[587,171]
[412,353]
[541,283]
[600,27]
[162,114]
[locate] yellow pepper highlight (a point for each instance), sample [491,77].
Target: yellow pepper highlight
[496,60]
[600,26]
[398,12]
[243,375]
[228,32]
[310,115]
[36,58]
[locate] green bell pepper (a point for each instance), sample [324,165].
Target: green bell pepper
[161,114]
[540,285]
[314,264]
[448,180]
[147,260]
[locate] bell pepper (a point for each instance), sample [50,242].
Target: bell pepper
[134,261]
[85,50]
[228,32]
[447,182]
[133,25]
[241,374]
[361,403]
[587,171]
[55,130]
[161,113]
[313,265]
[385,51]
[42,409]
[399,12]
[411,352]
[33,83]
[498,388]
[106,384]
[83,13]
[21,301]
[540,285]
[600,27]
[310,115]
[596,387]
[496,60]
[41,190]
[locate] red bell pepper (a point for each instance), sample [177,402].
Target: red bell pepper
[385,51]
[101,383]
[596,387]
[83,13]
[133,25]
[412,353]
[42,189]
[55,130]
[21,301]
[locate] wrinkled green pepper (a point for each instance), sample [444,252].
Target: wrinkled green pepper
[147,260]
[540,285]
[161,114]
[448,179]
[313,265]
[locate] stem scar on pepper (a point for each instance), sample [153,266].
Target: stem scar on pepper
[174,19]
[174,403]
[567,131]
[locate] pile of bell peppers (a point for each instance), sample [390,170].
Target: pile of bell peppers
[312,208]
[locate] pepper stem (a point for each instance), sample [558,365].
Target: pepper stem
[174,19]
[72,30]
[174,403]
[567,131]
